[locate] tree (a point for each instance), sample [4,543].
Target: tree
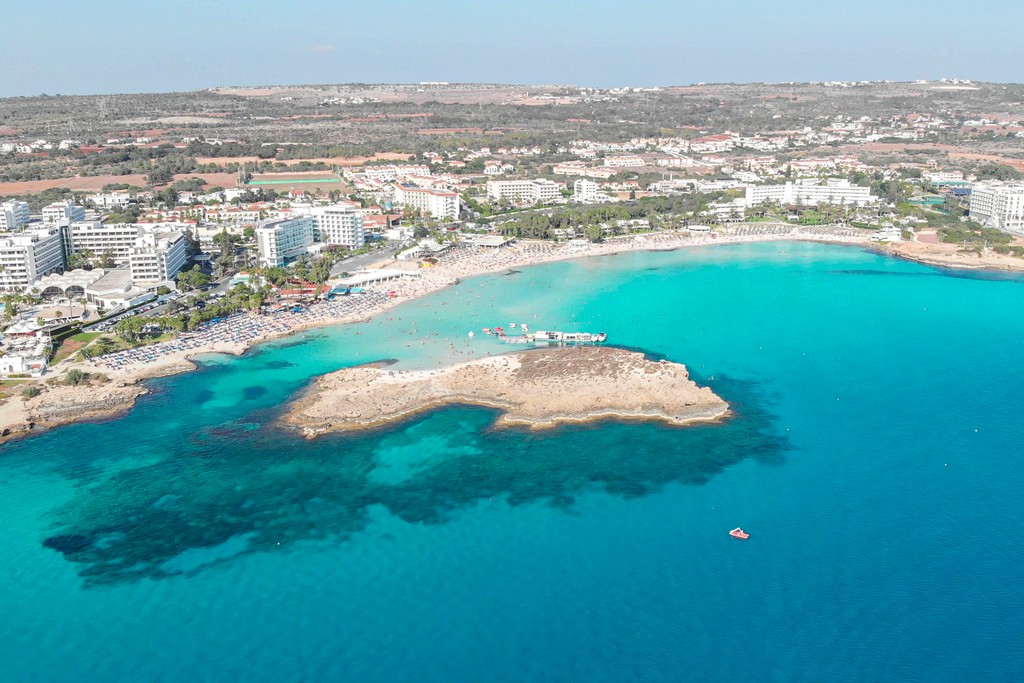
[594,233]
[300,270]
[192,246]
[80,259]
[192,279]
[104,345]
[224,263]
[129,329]
[74,377]
[168,196]
[10,302]
[107,260]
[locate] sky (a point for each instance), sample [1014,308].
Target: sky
[117,46]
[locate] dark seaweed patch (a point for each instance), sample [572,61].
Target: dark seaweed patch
[254,392]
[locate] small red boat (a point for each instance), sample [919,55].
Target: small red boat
[739,533]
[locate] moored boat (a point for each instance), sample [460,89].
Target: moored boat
[739,533]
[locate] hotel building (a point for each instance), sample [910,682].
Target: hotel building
[999,205]
[27,256]
[524,191]
[282,241]
[811,193]
[436,203]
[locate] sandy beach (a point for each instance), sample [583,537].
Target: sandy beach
[243,330]
[538,388]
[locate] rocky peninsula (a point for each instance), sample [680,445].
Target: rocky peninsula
[537,388]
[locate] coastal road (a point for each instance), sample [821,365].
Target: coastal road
[363,261]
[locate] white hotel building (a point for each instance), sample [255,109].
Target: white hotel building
[811,193]
[153,252]
[625,161]
[584,191]
[13,215]
[158,255]
[66,210]
[436,203]
[383,174]
[340,224]
[281,242]
[524,191]
[999,205]
[27,256]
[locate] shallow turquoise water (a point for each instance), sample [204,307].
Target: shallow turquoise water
[874,457]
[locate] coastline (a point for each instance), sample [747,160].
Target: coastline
[18,417]
[521,255]
[950,256]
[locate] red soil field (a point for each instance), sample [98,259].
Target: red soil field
[96,183]
[337,161]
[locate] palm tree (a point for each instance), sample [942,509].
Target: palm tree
[10,302]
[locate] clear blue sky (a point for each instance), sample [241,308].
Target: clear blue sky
[108,46]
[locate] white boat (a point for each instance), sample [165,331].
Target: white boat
[569,337]
[583,337]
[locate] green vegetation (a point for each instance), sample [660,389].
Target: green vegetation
[973,235]
[74,377]
[31,391]
[997,172]
[191,279]
[72,344]
[657,212]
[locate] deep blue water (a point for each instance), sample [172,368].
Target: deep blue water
[875,457]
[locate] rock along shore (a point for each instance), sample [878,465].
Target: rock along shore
[538,388]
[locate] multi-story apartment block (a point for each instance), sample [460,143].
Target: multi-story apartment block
[384,174]
[96,239]
[584,191]
[436,203]
[27,256]
[999,205]
[578,168]
[811,193]
[127,242]
[340,224]
[158,255]
[624,161]
[944,177]
[523,191]
[66,210]
[283,241]
[110,200]
[13,215]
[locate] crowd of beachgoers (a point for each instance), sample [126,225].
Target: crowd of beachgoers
[242,330]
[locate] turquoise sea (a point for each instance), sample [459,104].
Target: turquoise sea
[875,457]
